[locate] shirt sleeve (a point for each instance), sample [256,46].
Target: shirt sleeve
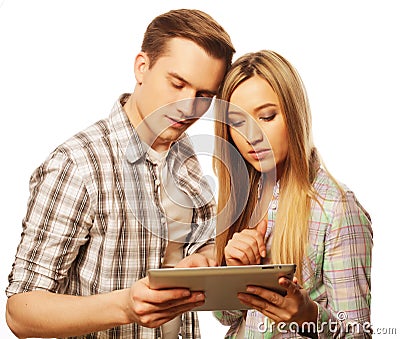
[230,318]
[347,273]
[54,228]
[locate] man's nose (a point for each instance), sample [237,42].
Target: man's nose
[186,107]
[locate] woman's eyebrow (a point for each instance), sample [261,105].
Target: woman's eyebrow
[233,112]
[266,105]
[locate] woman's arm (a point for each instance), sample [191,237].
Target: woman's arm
[347,272]
[245,248]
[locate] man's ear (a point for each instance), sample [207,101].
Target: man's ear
[142,64]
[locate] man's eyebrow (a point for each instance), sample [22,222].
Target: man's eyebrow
[180,78]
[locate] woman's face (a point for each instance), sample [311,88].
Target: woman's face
[257,126]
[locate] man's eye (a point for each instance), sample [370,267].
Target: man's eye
[178,86]
[204,95]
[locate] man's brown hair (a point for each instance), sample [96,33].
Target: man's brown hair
[190,24]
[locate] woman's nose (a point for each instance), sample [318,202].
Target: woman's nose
[254,134]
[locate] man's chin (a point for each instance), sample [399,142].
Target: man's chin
[168,136]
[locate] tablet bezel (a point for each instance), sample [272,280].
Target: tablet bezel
[221,284]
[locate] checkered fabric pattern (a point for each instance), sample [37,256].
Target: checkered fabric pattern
[339,274]
[93,224]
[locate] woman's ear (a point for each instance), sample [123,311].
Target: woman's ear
[141,66]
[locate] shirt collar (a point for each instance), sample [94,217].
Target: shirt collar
[126,136]
[179,152]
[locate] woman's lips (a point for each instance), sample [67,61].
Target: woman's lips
[260,154]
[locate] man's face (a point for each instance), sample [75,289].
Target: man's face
[168,96]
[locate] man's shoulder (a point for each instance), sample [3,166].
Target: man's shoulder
[98,135]
[90,154]
[87,140]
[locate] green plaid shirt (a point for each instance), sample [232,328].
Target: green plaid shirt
[339,278]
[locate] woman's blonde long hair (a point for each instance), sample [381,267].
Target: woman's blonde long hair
[290,234]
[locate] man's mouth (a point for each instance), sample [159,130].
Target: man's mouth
[177,122]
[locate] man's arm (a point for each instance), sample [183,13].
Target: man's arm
[208,251]
[56,226]
[46,314]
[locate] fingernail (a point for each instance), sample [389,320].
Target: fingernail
[251,289]
[285,282]
[186,293]
[200,297]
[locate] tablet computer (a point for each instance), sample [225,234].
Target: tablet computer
[221,284]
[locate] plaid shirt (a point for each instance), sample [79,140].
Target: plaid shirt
[339,278]
[94,223]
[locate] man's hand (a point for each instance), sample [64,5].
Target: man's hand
[197,260]
[152,308]
[204,257]
[247,247]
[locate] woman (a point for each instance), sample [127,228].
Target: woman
[319,225]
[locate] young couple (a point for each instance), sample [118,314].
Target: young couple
[127,194]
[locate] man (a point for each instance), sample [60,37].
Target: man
[97,217]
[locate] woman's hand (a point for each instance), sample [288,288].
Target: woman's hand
[247,247]
[296,306]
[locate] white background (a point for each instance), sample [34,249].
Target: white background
[64,63]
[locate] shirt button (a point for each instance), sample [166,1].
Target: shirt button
[157,182]
[163,220]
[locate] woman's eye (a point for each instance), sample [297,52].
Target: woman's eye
[236,123]
[268,118]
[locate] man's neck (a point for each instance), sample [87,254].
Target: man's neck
[131,110]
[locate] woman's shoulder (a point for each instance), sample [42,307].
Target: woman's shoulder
[329,188]
[334,195]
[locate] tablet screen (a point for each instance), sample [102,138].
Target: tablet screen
[221,284]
